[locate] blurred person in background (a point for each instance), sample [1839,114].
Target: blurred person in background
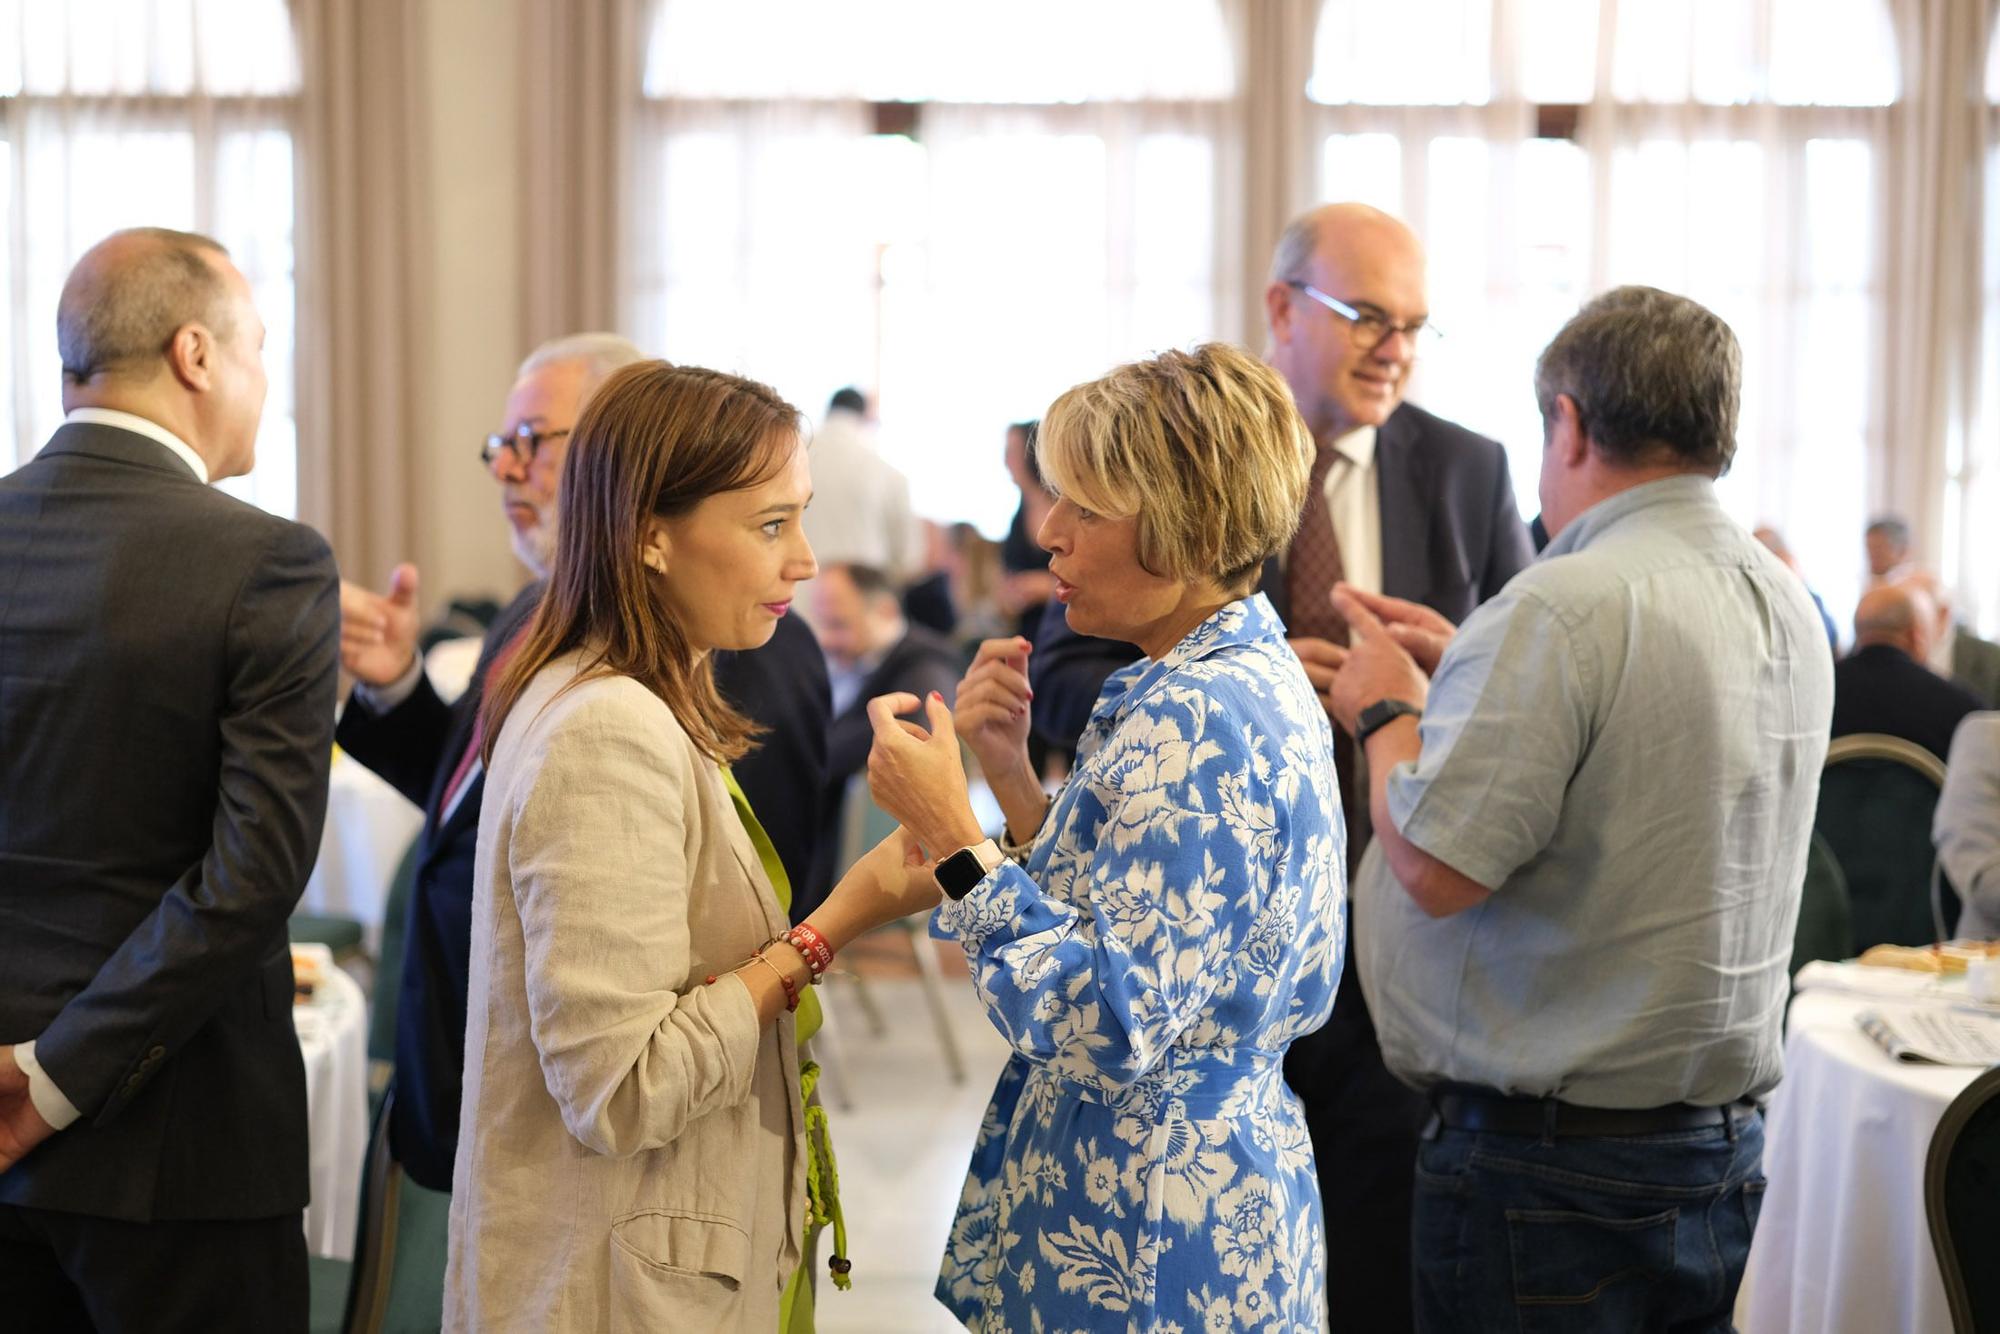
[871,649]
[1774,542]
[1887,542]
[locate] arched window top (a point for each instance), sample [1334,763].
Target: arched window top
[921,50]
[127,48]
[1719,52]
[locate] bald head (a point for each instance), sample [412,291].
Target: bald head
[160,324]
[1898,615]
[1337,228]
[1341,274]
[128,295]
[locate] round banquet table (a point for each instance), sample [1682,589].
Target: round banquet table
[1842,1243]
[333,1040]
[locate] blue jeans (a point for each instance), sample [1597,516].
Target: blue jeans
[1642,1233]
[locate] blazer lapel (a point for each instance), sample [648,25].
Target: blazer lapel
[1403,484]
[745,852]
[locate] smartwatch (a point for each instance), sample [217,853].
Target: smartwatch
[1379,715]
[958,873]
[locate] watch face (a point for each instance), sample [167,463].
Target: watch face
[958,873]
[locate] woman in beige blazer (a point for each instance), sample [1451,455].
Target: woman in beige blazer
[633,1148]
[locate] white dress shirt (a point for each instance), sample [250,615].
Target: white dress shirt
[152,430]
[1354,503]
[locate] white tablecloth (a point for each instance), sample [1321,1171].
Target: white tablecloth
[333,1039]
[1842,1243]
[368,826]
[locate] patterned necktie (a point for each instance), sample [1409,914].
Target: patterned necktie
[1311,571]
[1313,566]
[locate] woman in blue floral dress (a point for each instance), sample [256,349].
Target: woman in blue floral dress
[1175,918]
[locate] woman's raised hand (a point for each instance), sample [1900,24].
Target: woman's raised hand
[993,707]
[917,775]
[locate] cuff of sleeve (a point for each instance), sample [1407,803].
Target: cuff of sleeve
[381,699]
[49,1101]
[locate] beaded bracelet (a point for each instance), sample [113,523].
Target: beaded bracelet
[812,947]
[791,988]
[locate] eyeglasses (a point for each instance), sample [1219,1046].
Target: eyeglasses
[1369,327]
[522,444]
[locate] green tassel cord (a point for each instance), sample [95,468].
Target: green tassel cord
[822,1173]
[823,1179]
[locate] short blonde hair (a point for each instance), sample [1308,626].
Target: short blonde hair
[1205,447]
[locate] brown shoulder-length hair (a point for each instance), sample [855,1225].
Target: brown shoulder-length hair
[654,441]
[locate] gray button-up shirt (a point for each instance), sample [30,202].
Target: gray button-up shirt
[1624,746]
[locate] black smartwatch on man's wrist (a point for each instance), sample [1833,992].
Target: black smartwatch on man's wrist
[964,869]
[1379,715]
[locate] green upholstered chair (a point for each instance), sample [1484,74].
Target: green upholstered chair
[1876,797]
[1962,1202]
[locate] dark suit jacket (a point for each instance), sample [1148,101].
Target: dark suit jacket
[416,747]
[1880,689]
[1452,537]
[920,662]
[167,666]
[782,687]
[1975,664]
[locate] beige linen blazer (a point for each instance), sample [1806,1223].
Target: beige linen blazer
[632,1147]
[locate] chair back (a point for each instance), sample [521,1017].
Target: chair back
[1826,917]
[1962,1203]
[389,966]
[1876,798]
[863,824]
[400,1247]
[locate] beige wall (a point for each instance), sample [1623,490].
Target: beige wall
[474,136]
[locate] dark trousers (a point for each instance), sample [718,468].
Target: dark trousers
[62,1272]
[1364,1124]
[1548,1235]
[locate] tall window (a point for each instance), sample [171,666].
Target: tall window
[121,113]
[914,198]
[1725,151]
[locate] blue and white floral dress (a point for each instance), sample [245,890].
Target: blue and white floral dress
[1177,924]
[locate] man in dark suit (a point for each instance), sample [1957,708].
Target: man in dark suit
[399,726]
[871,649]
[1404,503]
[167,674]
[1884,686]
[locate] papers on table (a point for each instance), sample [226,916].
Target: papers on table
[1939,1035]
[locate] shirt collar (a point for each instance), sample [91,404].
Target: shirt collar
[152,430]
[1606,514]
[1357,446]
[1243,621]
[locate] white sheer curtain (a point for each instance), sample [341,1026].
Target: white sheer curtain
[1053,201]
[1973,497]
[1755,155]
[119,113]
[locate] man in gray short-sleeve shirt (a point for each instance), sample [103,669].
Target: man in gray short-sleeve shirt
[1593,839]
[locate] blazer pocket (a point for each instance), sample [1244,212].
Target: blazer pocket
[677,1269]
